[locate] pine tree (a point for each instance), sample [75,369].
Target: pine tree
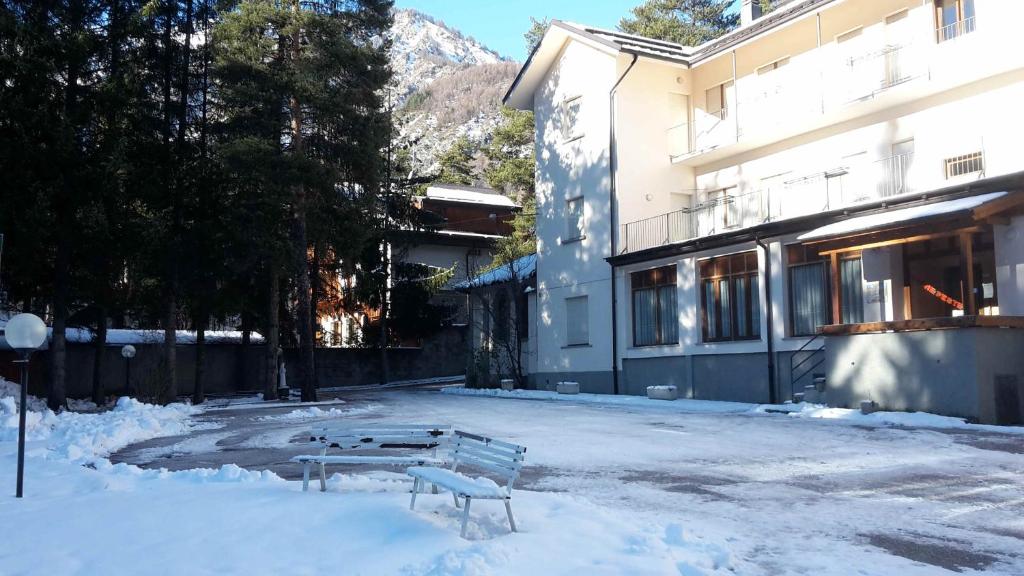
[533,36]
[456,164]
[687,22]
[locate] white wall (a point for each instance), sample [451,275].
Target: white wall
[442,256]
[1009,239]
[567,170]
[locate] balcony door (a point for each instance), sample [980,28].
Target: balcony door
[897,38]
[679,125]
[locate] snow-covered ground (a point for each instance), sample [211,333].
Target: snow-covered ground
[617,487]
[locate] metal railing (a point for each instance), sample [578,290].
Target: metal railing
[806,360]
[955,30]
[869,74]
[814,193]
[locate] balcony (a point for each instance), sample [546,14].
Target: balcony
[954,30]
[811,194]
[863,77]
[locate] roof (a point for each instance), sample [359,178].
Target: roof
[900,217]
[525,267]
[469,195]
[520,94]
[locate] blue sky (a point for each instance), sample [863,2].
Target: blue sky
[500,24]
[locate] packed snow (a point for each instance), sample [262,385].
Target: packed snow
[628,486]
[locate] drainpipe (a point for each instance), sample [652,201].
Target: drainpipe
[612,219]
[769,316]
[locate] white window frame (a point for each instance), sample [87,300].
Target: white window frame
[578,327]
[577,232]
[569,113]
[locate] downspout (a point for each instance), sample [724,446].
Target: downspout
[612,219]
[769,317]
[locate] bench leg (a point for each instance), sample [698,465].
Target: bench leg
[415,490]
[456,498]
[465,515]
[305,475]
[433,489]
[508,510]
[323,477]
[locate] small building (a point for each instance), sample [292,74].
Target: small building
[502,324]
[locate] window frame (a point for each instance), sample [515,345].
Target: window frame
[663,277]
[752,298]
[805,261]
[722,89]
[570,128]
[960,27]
[581,224]
[585,298]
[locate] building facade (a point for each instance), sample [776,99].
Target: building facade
[824,203]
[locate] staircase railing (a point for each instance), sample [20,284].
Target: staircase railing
[810,358]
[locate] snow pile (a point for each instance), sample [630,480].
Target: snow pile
[902,419]
[12,390]
[314,413]
[84,438]
[682,405]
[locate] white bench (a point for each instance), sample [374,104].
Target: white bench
[501,459]
[380,437]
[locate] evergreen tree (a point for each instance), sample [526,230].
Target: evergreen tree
[536,32]
[456,164]
[687,22]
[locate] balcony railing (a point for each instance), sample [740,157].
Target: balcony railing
[955,30]
[811,194]
[872,73]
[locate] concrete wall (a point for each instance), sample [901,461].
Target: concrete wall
[730,377]
[943,371]
[590,382]
[229,368]
[441,355]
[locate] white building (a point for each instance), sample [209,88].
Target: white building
[825,201]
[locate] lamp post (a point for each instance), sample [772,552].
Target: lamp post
[128,352]
[25,333]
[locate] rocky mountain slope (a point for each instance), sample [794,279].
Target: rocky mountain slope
[446,85]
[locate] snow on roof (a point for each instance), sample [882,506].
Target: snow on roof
[469,195]
[640,44]
[524,267]
[900,216]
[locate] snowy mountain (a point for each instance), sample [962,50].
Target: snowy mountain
[446,85]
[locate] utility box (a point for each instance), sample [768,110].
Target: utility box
[662,392]
[568,388]
[508,385]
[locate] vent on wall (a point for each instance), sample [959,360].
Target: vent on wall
[965,164]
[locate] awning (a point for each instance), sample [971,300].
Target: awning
[922,222]
[902,218]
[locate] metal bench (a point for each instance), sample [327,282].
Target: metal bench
[500,459]
[377,438]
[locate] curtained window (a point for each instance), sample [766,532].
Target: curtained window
[730,298]
[809,306]
[852,290]
[655,306]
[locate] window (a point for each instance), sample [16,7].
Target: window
[767,68]
[717,100]
[809,298]
[502,315]
[574,219]
[725,208]
[953,18]
[570,115]
[523,317]
[851,290]
[655,305]
[730,298]
[965,164]
[577,323]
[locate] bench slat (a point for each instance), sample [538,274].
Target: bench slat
[500,459]
[460,435]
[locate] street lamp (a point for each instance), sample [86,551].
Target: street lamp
[128,352]
[25,333]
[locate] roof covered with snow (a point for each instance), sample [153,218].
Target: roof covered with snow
[525,267]
[468,195]
[899,217]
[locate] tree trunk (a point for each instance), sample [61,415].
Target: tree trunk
[271,337]
[300,243]
[99,396]
[56,396]
[198,390]
[168,392]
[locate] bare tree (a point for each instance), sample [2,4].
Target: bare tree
[502,322]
